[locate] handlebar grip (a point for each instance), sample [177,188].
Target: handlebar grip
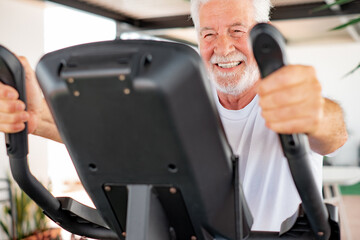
[12,74]
[269,51]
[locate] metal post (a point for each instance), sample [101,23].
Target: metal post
[146,219]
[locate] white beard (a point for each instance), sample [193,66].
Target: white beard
[232,83]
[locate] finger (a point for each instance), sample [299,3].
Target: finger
[12,128]
[285,113]
[11,106]
[286,77]
[13,118]
[299,125]
[287,97]
[7,92]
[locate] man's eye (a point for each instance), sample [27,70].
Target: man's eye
[209,36]
[237,32]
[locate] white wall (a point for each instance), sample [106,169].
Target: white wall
[332,62]
[22,27]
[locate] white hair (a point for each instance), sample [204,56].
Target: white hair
[261,8]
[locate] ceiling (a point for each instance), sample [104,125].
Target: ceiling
[295,18]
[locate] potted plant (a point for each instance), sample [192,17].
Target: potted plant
[30,222]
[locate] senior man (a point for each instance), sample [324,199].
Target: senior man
[288,101]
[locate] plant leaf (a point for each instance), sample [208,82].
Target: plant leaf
[7,210]
[5,229]
[351,22]
[352,71]
[326,6]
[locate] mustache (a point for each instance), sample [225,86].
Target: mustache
[235,56]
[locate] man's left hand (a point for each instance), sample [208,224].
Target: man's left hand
[291,100]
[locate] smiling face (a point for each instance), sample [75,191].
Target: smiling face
[223,39]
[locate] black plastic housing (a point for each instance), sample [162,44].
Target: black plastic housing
[141,112]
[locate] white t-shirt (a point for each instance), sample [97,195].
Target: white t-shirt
[267,182]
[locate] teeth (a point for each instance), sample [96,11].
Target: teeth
[228,65]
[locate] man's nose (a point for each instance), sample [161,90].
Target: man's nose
[223,45]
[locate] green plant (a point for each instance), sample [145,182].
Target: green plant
[29,218]
[342,26]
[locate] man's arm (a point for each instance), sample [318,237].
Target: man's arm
[46,126]
[331,133]
[291,102]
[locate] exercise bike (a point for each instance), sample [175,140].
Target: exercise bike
[140,124]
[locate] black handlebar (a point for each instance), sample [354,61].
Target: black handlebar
[12,74]
[268,47]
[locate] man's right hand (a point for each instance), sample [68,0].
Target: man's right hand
[12,110]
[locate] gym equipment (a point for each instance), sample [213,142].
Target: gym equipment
[268,47]
[140,124]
